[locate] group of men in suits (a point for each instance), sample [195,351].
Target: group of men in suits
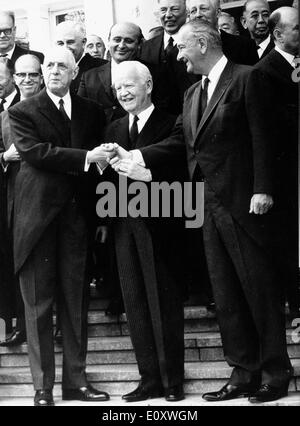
[222,137]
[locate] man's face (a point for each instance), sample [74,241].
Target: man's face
[290,34]
[203,9]
[6,82]
[72,41]
[28,77]
[58,73]
[7,33]
[123,43]
[133,92]
[189,52]
[226,24]
[95,47]
[256,18]
[172,15]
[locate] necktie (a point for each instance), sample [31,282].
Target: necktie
[63,111]
[170,46]
[134,132]
[203,99]
[2,105]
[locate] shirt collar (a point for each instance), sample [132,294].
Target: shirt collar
[290,58]
[9,99]
[55,99]
[263,45]
[167,38]
[143,117]
[216,71]
[9,53]
[77,63]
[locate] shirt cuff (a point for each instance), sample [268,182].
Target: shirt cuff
[86,164]
[137,157]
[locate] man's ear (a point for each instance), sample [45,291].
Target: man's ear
[202,43]
[277,35]
[243,22]
[219,12]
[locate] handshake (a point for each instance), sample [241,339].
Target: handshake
[120,160]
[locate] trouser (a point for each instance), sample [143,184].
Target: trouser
[57,264]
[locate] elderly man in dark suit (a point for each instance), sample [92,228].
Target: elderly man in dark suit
[221,133]
[8,47]
[53,133]
[255,19]
[275,96]
[124,42]
[72,35]
[28,79]
[147,249]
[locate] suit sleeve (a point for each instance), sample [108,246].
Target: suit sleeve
[43,154]
[82,87]
[260,114]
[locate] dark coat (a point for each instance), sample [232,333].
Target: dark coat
[51,173]
[238,49]
[86,63]
[96,84]
[19,51]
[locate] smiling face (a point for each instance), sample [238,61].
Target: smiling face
[133,91]
[28,76]
[189,51]
[59,70]
[124,42]
[7,33]
[70,38]
[172,15]
[204,9]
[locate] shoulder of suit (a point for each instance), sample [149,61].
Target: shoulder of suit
[97,69]
[148,44]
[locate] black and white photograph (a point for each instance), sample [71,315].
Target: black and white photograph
[149,206]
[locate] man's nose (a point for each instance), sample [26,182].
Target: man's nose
[199,13]
[54,69]
[122,44]
[261,18]
[27,79]
[169,13]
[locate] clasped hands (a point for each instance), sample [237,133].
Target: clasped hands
[120,160]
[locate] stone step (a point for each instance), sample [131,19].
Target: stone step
[119,379]
[192,401]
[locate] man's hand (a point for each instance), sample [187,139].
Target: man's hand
[101,153]
[11,155]
[132,170]
[119,154]
[261,204]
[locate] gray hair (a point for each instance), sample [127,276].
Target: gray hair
[200,28]
[10,14]
[51,53]
[276,20]
[75,26]
[141,70]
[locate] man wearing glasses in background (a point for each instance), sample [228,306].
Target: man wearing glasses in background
[8,47]
[28,79]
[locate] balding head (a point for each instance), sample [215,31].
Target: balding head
[28,75]
[59,70]
[124,41]
[133,84]
[284,26]
[207,10]
[71,35]
[8,33]
[255,19]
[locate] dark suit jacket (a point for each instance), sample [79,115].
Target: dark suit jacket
[86,63]
[268,49]
[96,85]
[170,79]
[51,173]
[240,50]
[226,145]
[19,51]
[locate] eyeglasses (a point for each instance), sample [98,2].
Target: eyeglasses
[31,75]
[6,31]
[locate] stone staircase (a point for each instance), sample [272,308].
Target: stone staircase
[112,364]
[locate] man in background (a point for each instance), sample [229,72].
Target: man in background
[95,46]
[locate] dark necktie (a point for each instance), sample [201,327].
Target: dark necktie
[63,111]
[203,97]
[134,132]
[170,46]
[2,105]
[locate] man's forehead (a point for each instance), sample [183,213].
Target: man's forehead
[5,19]
[171,3]
[125,31]
[68,34]
[197,3]
[29,64]
[255,4]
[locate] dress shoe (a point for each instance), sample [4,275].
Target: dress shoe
[87,393]
[174,394]
[43,398]
[230,392]
[58,337]
[142,393]
[17,338]
[269,393]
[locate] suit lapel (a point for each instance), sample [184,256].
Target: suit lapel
[123,129]
[78,122]
[222,85]
[151,129]
[194,116]
[282,65]
[51,113]
[104,74]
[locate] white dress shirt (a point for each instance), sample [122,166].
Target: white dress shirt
[114,68]
[9,100]
[9,53]
[263,45]
[167,38]
[214,76]
[290,58]
[143,117]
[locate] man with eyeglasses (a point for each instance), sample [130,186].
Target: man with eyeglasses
[28,79]
[8,47]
